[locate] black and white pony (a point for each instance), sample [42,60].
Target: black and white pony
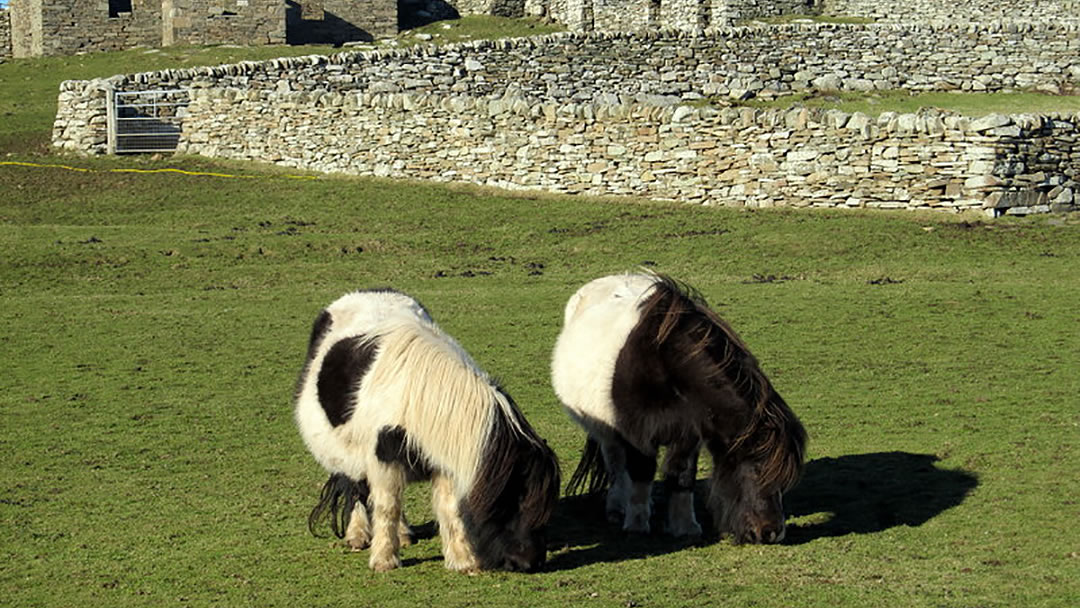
[385,398]
[642,362]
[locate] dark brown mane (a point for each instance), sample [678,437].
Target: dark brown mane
[774,437]
[518,471]
[516,488]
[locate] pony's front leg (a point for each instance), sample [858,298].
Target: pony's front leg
[387,486]
[680,474]
[641,470]
[457,552]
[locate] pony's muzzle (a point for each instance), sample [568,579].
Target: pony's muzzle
[516,563]
[763,535]
[525,558]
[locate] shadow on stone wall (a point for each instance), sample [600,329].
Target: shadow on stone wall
[418,13]
[331,29]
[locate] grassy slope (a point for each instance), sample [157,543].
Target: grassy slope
[153,325]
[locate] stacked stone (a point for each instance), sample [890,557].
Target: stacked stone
[967,11]
[743,157]
[608,114]
[5,33]
[668,68]
[82,125]
[689,15]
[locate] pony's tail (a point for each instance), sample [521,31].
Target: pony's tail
[340,495]
[591,474]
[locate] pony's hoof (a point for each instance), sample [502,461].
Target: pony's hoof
[405,538]
[384,565]
[358,543]
[463,566]
[688,531]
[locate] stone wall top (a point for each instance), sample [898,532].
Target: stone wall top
[580,66]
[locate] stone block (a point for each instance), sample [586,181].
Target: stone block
[979,182]
[990,121]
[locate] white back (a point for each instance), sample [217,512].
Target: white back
[420,379]
[355,313]
[597,320]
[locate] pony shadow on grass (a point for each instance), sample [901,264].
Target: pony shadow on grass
[579,534]
[855,494]
[867,493]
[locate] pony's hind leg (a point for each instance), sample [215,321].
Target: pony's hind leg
[387,486]
[457,552]
[680,473]
[618,495]
[405,533]
[358,528]
[640,472]
[358,532]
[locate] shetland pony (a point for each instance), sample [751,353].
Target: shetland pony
[385,398]
[642,362]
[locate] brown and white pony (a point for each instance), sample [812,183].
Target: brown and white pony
[643,362]
[385,398]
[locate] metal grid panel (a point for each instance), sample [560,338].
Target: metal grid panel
[148,121]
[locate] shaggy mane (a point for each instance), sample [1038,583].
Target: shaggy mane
[774,436]
[516,455]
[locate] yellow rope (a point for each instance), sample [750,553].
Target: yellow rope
[180,171]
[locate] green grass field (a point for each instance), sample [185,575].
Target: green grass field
[153,325]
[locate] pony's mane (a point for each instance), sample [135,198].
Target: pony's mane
[516,456]
[445,400]
[462,415]
[774,436]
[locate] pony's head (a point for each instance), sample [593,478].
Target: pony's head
[750,477]
[507,511]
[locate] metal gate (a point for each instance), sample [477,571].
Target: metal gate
[146,121]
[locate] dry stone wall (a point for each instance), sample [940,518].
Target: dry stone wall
[931,11]
[615,114]
[643,15]
[742,157]
[5,33]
